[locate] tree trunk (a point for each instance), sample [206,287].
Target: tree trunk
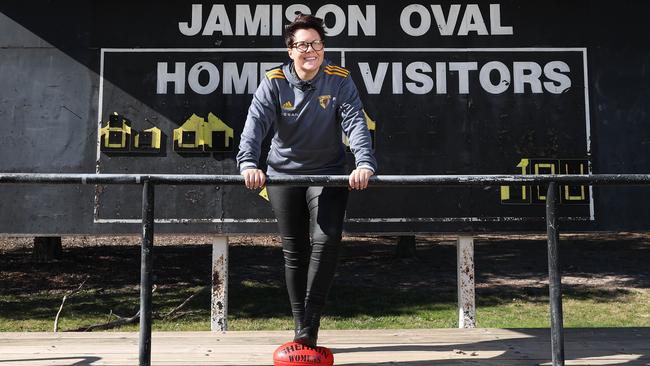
[406,247]
[47,248]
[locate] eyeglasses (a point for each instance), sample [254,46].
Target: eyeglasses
[304,46]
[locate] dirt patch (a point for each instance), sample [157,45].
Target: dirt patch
[512,263]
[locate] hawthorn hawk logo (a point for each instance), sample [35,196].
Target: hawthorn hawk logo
[324,100]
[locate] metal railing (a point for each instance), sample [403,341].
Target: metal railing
[148,183]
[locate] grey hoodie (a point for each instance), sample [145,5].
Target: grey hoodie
[308,117]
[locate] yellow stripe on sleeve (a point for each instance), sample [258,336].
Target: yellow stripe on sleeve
[336,73]
[275,74]
[337,69]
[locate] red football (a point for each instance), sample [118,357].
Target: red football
[296,354]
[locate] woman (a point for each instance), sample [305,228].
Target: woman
[309,103]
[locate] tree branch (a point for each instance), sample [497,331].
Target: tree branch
[65,297]
[109,325]
[183,304]
[120,321]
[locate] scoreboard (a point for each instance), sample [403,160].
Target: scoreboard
[506,87]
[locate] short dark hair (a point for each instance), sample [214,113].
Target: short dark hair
[303,21]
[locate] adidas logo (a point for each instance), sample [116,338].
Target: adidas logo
[287,105]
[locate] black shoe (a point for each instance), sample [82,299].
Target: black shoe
[298,324]
[307,336]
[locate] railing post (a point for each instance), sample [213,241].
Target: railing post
[146,262]
[219,303]
[466,283]
[554,277]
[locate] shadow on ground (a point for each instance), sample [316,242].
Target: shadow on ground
[371,280]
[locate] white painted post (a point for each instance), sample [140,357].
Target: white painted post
[219,305]
[466,285]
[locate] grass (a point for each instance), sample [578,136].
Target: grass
[372,290]
[259,306]
[629,310]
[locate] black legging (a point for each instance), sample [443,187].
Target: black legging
[310,221]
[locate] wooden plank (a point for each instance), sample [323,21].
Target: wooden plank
[418,347]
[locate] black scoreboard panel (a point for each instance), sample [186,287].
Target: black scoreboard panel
[509,87]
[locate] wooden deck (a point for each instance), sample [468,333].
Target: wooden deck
[455,347]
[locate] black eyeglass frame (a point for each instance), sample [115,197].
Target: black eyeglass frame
[303,46]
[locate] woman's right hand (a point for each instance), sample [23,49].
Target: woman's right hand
[254,178]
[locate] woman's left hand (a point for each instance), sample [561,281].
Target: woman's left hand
[359,178]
